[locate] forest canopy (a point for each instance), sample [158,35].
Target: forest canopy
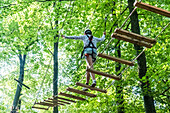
[29,30]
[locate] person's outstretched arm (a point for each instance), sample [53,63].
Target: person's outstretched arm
[74,37]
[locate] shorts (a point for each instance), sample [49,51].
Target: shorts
[91,52]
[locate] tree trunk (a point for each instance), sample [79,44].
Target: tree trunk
[148,99]
[55,78]
[19,86]
[55,56]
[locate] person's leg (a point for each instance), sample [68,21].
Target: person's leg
[87,80]
[89,64]
[87,77]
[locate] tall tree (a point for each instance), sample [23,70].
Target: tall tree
[55,56]
[19,86]
[148,98]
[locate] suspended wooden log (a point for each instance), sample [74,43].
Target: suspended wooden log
[80,92]
[92,88]
[53,102]
[56,97]
[103,74]
[61,104]
[56,100]
[21,83]
[152,8]
[116,59]
[45,104]
[39,108]
[135,36]
[131,40]
[71,96]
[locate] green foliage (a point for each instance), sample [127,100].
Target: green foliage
[27,27]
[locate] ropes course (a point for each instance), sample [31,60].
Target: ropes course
[119,34]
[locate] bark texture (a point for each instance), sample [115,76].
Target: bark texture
[19,86]
[148,98]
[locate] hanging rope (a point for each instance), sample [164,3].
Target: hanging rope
[105,47]
[87,27]
[122,25]
[43,81]
[92,16]
[67,13]
[118,19]
[128,17]
[104,50]
[138,56]
[97,47]
[117,44]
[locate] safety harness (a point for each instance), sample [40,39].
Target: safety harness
[90,45]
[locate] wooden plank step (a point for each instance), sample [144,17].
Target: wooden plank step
[45,104]
[103,74]
[56,97]
[152,8]
[134,41]
[91,88]
[116,59]
[39,108]
[71,96]
[53,102]
[135,36]
[80,92]
[56,100]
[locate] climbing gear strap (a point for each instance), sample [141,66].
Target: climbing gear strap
[90,45]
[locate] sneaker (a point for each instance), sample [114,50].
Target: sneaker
[93,84]
[85,89]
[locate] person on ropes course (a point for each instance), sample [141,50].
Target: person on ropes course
[89,51]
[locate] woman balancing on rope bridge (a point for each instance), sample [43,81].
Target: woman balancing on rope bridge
[90,51]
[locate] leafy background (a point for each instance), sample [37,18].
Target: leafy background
[28,25]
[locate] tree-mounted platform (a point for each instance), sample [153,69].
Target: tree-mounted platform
[131,40]
[39,108]
[56,100]
[71,96]
[56,97]
[152,8]
[103,74]
[135,36]
[80,92]
[90,87]
[116,59]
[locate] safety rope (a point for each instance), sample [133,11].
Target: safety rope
[138,56]
[104,48]
[117,43]
[42,81]
[67,13]
[92,16]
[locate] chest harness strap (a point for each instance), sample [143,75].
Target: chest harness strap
[90,45]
